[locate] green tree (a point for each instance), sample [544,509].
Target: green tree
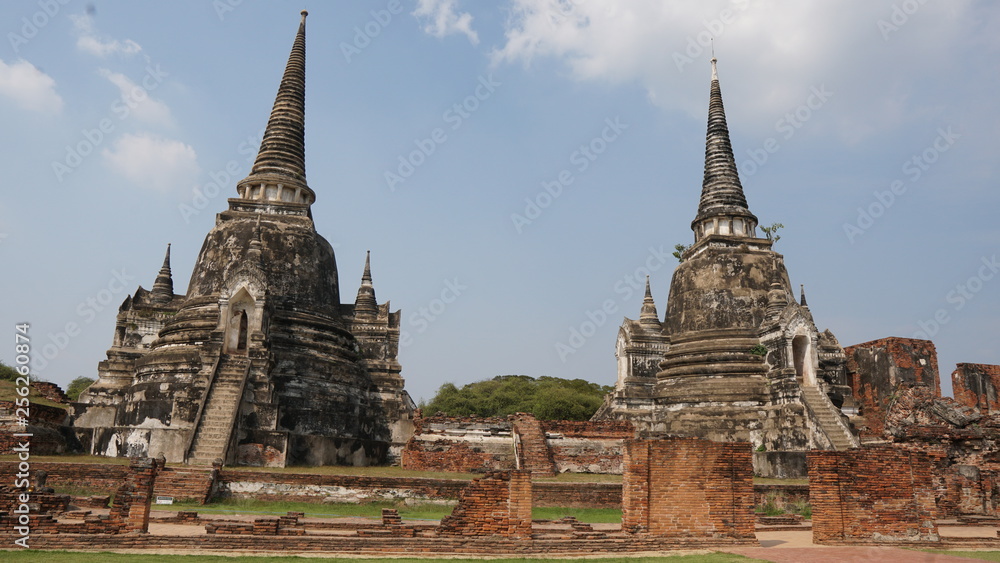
[772,232]
[7,373]
[548,398]
[679,250]
[77,386]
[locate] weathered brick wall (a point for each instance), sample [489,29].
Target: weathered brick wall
[36,412]
[615,429]
[578,495]
[877,370]
[961,442]
[688,487]
[181,483]
[130,507]
[45,440]
[50,391]
[873,494]
[44,423]
[460,444]
[587,447]
[455,456]
[472,444]
[306,487]
[497,504]
[532,449]
[975,385]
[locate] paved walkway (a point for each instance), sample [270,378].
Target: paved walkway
[797,547]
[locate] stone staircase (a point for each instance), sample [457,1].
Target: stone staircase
[828,418]
[216,424]
[534,453]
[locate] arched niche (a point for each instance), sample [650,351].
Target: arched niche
[803,359]
[240,320]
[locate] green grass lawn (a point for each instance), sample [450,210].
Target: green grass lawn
[371,471]
[374,510]
[102,557]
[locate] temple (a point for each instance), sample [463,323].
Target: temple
[738,358]
[258,363]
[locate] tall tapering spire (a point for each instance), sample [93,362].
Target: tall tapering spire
[279,172]
[648,314]
[723,207]
[366,305]
[163,287]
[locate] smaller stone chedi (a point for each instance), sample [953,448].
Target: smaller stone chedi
[259,363]
[736,357]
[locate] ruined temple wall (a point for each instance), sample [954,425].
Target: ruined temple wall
[879,369]
[688,487]
[105,478]
[878,494]
[587,446]
[466,444]
[471,444]
[975,385]
[497,504]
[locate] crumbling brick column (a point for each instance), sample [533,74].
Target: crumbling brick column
[533,452]
[975,385]
[872,494]
[688,487]
[130,510]
[498,503]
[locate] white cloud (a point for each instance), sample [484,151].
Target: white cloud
[29,87]
[136,98]
[153,162]
[90,42]
[444,19]
[770,52]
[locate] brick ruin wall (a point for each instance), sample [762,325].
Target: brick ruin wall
[497,504]
[975,385]
[45,423]
[461,444]
[877,494]
[588,447]
[688,487]
[962,443]
[129,512]
[98,478]
[474,445]
[879,369]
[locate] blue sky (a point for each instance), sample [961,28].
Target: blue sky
[547,155]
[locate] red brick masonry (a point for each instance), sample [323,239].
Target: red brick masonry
[498,504]
[688,487]
[883,494]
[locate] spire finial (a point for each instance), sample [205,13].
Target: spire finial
[279,172]
[648,315]
[367,275]
[163,287]
[723,207]
[365,305]
[802,299]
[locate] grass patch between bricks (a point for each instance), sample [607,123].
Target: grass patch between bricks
[421,511]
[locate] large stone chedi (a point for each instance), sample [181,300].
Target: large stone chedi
[740,358]
[259,363]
